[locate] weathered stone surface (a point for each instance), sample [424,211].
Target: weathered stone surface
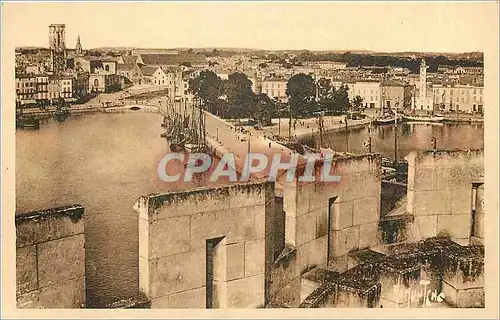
[238,292]
[338,264]
[306,228]
[284,271]
[479,226]
[344,240]
[46,229]
[246,195]
[341,215]
[463,267]
[261,219]
[322,220]
[50,258]
[50,224]
[312,254]
[317,196]
[236,261]
[169,236]
[144,247]
[290,230]
[456,225]
[191,299]
[180,204]
[61,260]
[360,185]
[368,235]
[307,286]
[399,285]
[136,302]
[348,299]
[302,199]
[423,227]
[366,210]
[440,183]
[237,225]
[461,201]
[425,178]
[362,256]
[431,202]
[465,298]
[254,257]
[144,276]
[288,296]
[25,234]
[67,295]
[26,269]
[177,273]
[28,300]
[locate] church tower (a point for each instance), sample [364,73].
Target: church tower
[57,46]
[79,50]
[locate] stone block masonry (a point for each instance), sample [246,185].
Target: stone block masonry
[324,221]
[207,247]
[50,258]
[413,274]
[442,185]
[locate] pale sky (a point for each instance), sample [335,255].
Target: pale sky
[378,26]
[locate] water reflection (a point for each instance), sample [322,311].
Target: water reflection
[411,136]
[106,161]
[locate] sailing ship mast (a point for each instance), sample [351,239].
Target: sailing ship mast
[396,139]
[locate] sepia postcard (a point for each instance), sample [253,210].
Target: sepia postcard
[261,159]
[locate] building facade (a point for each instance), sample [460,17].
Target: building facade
[26,89]
[369,91]
[459,98]
[42,91]
[104,82]
[275,88]
[125,70]
[393,94]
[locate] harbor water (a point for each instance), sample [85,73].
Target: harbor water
[106,161]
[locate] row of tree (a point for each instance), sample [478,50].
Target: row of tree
[359,60]
[234,97]
[231,98]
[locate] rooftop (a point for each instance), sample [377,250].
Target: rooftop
[169,59]
[392,83]
[125,66]
[148,71]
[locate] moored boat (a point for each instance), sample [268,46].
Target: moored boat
[386,120]
[423,118]
[28,123]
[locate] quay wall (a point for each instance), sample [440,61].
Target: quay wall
[50,258]
[441,187]
[175,229]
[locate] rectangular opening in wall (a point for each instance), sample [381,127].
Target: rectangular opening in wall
[216,270]
[279,227]
[331,208]
[477,211]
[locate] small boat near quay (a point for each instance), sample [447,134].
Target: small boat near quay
[424,118]
[28,123]
[386,120]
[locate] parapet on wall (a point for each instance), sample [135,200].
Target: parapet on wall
[50,258]
[207,248]
[441,187]
[326,220]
